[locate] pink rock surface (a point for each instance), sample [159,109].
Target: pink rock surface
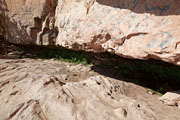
[171,98]
[55,90]
[27,21]
[139,29]
[134,28]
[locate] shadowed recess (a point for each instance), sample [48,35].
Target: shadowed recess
[156,7]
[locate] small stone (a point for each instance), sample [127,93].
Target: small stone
[171,98]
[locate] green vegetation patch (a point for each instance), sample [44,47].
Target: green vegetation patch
[58,53]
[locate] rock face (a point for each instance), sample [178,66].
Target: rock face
[133,28]
[139,29]
[29,21]
[53,90]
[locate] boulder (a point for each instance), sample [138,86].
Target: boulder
[171,98]
[138,29]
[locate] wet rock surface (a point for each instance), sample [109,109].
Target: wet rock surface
[54,90]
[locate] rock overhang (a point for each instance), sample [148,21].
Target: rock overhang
[139,29]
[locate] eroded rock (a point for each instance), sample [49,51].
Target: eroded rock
[171,98]
[28,21]
[36,89]
[134,28]
[139,29]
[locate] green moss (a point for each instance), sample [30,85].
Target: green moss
[58,54]
[158,92]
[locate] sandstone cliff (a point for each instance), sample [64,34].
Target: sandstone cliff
[139,29]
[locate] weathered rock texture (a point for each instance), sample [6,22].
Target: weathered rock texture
[53,90]
[130,28]
[29,21]
[171,98]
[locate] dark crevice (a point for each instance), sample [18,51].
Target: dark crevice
[156,7]
[134,34]
[14,93]
[3,84]
[15,112]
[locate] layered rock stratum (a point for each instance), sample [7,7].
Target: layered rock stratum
[139,29]
[54,90]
